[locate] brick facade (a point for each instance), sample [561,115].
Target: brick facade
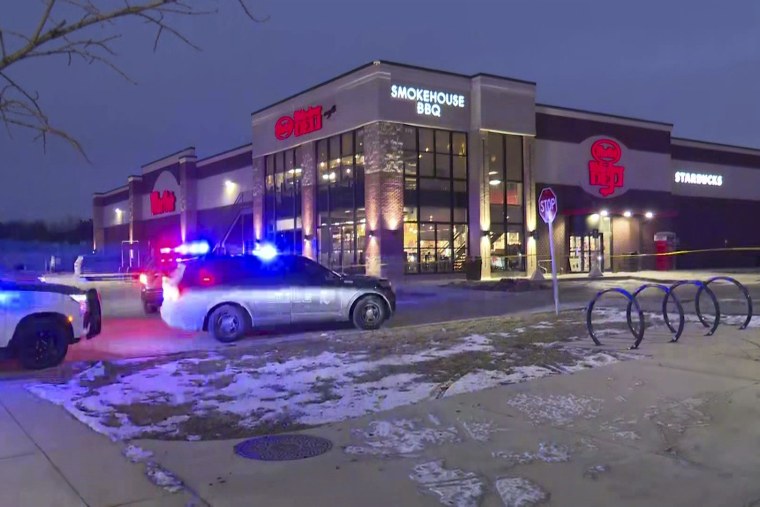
[384,199]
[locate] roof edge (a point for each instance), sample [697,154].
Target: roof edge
[608,115]
[395,64]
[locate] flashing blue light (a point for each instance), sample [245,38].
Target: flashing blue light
[193,248]
[265,252]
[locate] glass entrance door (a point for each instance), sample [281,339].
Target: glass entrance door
[584,251]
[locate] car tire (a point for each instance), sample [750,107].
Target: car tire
[369,313]
[228,323]
[42,343]
[149,308]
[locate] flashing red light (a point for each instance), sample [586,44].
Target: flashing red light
[206,278]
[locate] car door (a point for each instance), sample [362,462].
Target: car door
[262,287]
[315,291]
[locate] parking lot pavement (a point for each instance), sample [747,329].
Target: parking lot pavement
[674,429]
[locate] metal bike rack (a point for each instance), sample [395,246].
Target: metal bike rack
[703,287]
[631,302]
[741,287]
[681,317]
[670,294]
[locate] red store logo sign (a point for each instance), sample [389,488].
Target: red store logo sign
[603,169]
[303,121]
[162,203]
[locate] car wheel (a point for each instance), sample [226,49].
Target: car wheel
[42,343]
[149,308]
[228,323]
[369,313]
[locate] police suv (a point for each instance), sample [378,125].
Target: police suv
[38,321]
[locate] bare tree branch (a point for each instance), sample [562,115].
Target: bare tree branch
[55,36]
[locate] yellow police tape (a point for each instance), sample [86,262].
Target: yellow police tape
[628,256]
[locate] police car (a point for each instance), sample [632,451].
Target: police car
[38,321]
[230,295]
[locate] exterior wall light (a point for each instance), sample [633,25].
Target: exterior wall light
[371,234]
[649,215]
[533,234]
[605,213]
[627,214]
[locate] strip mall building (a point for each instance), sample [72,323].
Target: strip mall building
[397,170]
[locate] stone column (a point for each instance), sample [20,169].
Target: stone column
[384,199]
[307,155]
[258,198]
[531,212]
[188,198]
[98,232]
[479,212]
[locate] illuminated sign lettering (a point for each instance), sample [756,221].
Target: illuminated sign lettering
[714,180]
[162,203]
[429,102]
[303,121]
[603,170]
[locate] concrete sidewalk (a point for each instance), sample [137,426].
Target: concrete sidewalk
[47,458]
[674,428]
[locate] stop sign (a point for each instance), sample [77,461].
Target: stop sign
[547,205]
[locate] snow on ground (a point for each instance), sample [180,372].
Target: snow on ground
[163,478]
[556,409]
[136,454]
[454,487]
[520,492]
[245,394]
[547,452]
[400,437]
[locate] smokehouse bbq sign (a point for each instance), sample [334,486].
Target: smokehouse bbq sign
[429,102]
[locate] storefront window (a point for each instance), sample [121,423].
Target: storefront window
[282,200]
[340,202]
[505,181]
[435,200]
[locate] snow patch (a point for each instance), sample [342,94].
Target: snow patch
[486,379]
[480,431]
[520,492]
[547,452]
[136,454]
[556,409]
[163,478]
[400,437]
[593,472]
[454,487]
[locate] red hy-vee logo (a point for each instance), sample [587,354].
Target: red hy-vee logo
[602,170]
[303,121]
[162,203]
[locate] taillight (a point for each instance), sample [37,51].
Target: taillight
[143,279]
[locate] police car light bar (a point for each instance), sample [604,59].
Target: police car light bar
[193,248]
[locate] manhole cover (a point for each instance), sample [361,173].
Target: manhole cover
[283,447]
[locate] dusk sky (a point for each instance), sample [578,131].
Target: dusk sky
[692,63]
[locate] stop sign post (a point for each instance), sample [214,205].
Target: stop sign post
[547,208]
